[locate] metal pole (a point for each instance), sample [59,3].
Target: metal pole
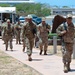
[54,44]
[12,18]
[74,50]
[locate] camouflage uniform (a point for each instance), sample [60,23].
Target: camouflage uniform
[29,33]
[8,34]
[18,33]
[43,37]
[67,43]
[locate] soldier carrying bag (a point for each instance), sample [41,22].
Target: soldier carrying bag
[61,37]
[65,27]
[66,38]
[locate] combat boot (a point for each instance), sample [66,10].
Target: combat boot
[19,43]
[40,52]
[4,43]
[11,50]
[45,52]
[29,58]
[6,49]
[23,49]
[68,65]
[65,68]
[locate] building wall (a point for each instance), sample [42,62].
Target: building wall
[63,11]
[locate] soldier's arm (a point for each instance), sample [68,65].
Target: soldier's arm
[60,30]
[4,30]
[48,28]
[12,30]
[23,33]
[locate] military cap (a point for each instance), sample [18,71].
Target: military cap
[29,17]
[69,16]
[43,19]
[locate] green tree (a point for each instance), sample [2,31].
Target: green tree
[38,9]
[4,5]
[65,7]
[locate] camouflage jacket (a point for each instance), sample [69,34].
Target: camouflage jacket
[29,30]
[18,28]
[42,29]
[8,30]
[68,37]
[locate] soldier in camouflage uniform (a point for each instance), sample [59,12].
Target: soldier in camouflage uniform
[66,31]
[8,34]
[29,32]
[43,36]
[18,32]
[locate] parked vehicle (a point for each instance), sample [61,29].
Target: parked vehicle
[36,19]
[22,19]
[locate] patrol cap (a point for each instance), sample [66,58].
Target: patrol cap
[8,20]
[69,16]
[43,19]
[29,17]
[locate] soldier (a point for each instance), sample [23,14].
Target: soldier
[29,32]
[8,34]
[18,32]
[43,36]
[66,31]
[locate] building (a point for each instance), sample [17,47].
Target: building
[7,13]
[62,11]
[16,1]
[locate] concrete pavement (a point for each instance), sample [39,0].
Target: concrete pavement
[46,65]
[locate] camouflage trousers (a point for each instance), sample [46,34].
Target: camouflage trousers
[29,45]
[43,44]
[18,39]
[24,44]
[8,40]
[67,50]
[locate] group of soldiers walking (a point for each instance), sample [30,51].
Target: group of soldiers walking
[29,31]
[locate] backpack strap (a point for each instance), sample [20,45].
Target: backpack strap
[65,27]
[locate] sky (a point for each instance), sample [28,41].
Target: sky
[70,3]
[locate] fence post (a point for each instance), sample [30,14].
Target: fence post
[74,50]
[54,44]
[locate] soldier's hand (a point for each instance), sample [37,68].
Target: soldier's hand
[48,29]
[22,40]
[63,32]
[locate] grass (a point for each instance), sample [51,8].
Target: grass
[11,66]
